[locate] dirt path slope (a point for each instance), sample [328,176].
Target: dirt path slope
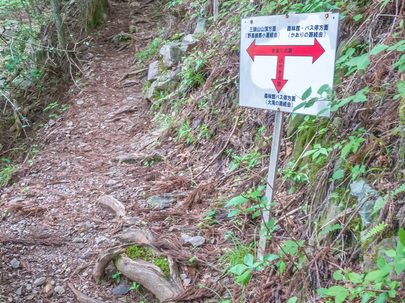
[51,225]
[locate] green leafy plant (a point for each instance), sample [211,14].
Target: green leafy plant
[376,284]
[117,277]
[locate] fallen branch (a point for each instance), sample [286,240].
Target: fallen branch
[133,73]
[33,240]
[81,297]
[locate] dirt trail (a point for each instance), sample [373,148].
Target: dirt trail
[54,201]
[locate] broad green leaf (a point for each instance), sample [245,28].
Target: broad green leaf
[271,257]
[401,88]
[322,111]
[401,235]
[360,62]
[360,96]
[400,256]
[306,94]
[341,103]
[382,298]
[337,275]
[292,300]
[322,291]
[367,296]
[238,269]
[248,260]
[345,150]
[338,174]
[299,106]
[244,278]
[236,201]
[290,247]
[282,267]
[323,89]
[373,275]
[358,17]
[355,278]
[391,253]
[378,49]
[233,213]
[339,292]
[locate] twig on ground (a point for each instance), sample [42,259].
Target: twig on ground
[133,73]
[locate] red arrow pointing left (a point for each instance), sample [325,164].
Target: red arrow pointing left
[281,51]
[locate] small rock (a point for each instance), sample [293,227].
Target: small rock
[120,290]
[39,281]
[160,202]
[171,54]
[187,282]
[48,287]
[79,102]
[29,287]
[153,71]
[185,238]
[197,241]
[51,122]
[113,204]
[111,182]
[201,26]
[59,289]
[19,291]
[15,263]
[183,276]
[194,241]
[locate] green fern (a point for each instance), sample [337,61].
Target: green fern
[376,230]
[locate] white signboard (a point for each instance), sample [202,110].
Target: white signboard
[282,56]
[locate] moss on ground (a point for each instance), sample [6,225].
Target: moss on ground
[137,252]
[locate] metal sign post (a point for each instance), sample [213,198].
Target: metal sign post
[281,57]
[215,9]
[271,178]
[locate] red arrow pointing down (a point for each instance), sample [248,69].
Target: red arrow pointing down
[281,51]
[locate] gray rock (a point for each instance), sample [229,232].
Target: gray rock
[185,238]
[29,287]
[160,202]
[120,290]
[197,241]
[60,290]
[191,40]
[79,102]
[39,281]
[153,71]
[194,241]
[165,82]
[172,54]
[365,195]
[19,291]
[15,263]
[201,26]
[376,251]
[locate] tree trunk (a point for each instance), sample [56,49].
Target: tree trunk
[59,24]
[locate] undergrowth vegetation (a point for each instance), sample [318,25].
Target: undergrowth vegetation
[39,55]
[340,198]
